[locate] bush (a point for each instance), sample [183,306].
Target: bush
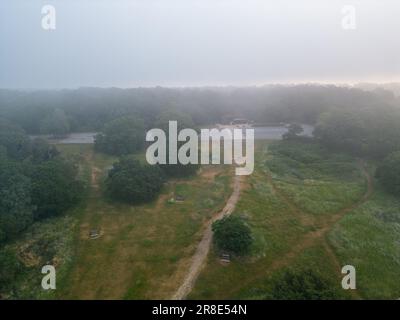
[15,200]
[55,188]
[232,235]
[303,285]
[131,182]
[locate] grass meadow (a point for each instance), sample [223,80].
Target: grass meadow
[143,250]
[306,209]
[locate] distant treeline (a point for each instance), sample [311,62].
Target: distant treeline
[88,109]
[365,123]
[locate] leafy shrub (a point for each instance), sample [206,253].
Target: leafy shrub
[15,201]
[231,234]
[131,182]
[303,285]
[55,187]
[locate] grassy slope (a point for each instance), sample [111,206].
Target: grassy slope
[289,204]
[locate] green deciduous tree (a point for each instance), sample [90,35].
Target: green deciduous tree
[15,200]
[55,187]
[303,285]
[183,121]
[231,234]
[131,182]
[121,136]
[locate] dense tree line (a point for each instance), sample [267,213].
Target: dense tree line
[347,119]
[35,182]
[373,132]
[89,109]
[56,123]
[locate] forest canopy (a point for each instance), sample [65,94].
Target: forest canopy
[35,181]
[89,109]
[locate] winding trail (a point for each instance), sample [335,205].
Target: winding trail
[203,248]
[311,238]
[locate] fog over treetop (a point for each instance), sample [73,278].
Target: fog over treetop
[88,109]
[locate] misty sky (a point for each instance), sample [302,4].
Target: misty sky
[196,42]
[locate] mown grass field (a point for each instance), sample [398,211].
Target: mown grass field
[143,251]
[308,208]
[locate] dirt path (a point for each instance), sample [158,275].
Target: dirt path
[203,247]
[95,177]
[328,248]
[311,238]
[319,234]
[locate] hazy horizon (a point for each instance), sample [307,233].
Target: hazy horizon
[192,43]
[356,85]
